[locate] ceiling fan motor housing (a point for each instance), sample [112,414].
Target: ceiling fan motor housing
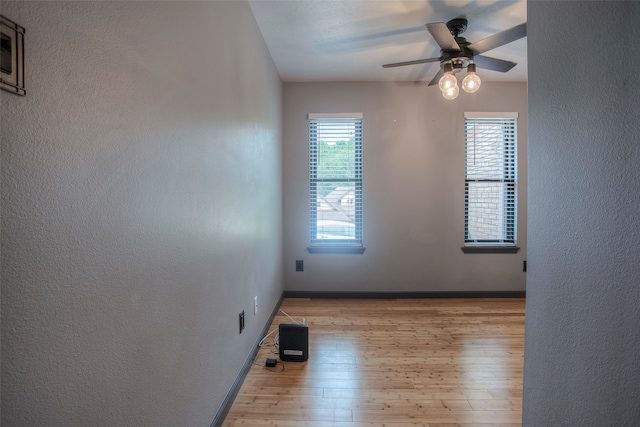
[458,59]
[457,26]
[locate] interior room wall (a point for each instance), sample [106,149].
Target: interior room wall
[413,150]
[141,211]
[583,295]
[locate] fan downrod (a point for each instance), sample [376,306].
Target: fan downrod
[457,26]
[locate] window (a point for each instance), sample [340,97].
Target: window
[335,182]
[490,181]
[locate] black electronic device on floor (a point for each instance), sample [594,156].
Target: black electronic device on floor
[293,342]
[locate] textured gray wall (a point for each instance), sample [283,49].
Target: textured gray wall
[582,340]
[413,189]
[141,197]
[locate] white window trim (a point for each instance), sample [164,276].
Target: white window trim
[334,116]
[492,115]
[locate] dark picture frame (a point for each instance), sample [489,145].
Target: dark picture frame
[11,56]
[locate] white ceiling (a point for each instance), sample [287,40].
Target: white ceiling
[349,40]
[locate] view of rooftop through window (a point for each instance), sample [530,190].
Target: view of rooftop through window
[336,180]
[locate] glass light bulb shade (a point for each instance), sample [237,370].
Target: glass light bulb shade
[447,81]
[451,93]
[471,82]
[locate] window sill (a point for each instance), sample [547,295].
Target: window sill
[490,249]
[335,249]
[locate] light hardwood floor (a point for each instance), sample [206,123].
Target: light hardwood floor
[392,363]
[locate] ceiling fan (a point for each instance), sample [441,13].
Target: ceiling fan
[457,53]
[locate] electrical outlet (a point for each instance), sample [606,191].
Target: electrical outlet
[299,265]
[255,305]
[241,320]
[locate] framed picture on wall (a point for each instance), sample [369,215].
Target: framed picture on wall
[11,56]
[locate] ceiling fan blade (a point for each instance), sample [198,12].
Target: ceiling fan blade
[417,61]
[436,78]
[441,34]
[497,40]
[493,64]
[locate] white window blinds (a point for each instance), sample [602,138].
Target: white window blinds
[490,178]
[335,177]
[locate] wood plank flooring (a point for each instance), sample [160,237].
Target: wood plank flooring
[392,363]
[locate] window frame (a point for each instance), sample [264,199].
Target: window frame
[507,243]
[319,245]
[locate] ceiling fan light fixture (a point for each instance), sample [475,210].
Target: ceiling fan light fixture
[471,83]
[456,53]
[448,80]
[451,93]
